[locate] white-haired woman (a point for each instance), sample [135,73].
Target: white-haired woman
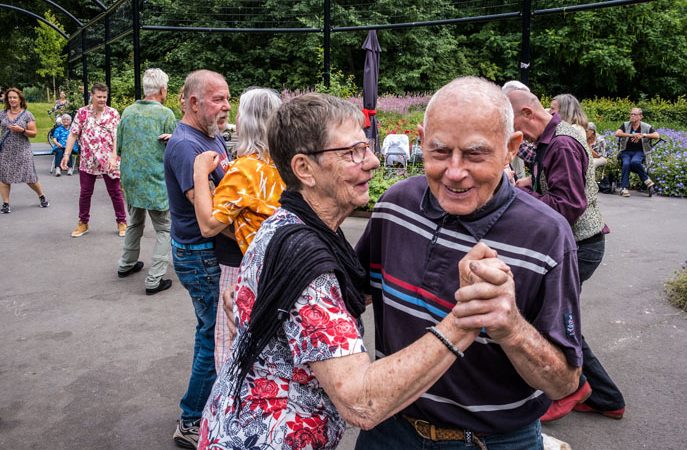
[59,141]
[247,195]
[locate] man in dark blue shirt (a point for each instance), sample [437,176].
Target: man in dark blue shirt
[206,108]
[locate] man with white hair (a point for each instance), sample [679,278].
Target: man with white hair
[526,348]
[143,131]
[197,258]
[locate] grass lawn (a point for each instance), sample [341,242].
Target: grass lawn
[43,122]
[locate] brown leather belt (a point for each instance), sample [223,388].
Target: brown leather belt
[434,433]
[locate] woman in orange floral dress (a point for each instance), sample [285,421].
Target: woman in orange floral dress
[247,195]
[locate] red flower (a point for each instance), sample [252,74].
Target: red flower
[300,376]
[343,331]
[264,388]
[313,317]
[203,435]
[335,295]
[318,337]
[307,432]
[245,298]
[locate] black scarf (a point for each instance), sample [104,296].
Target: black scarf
[296,255]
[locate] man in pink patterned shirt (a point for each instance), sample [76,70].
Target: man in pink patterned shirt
[95,126]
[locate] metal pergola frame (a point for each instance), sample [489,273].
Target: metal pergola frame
[525,14]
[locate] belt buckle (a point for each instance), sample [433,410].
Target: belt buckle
[415,423]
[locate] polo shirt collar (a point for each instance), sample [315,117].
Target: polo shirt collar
[479,222]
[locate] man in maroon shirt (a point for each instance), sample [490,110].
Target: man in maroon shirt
[562,178]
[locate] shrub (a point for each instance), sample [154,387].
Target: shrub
[34,94]
[384,178]
[676,289]
[609,113]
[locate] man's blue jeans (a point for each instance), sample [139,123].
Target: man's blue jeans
[396,433]
[632,161]
[59,153]
[199,273]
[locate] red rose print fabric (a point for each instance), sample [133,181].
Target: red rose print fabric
[282,404]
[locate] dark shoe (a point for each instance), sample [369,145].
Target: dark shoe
[136,268]
[561,408]
[163,286]
[5,208]
[44,201]
[613,414]
[186,434]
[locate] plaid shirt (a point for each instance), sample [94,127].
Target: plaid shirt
[527,152]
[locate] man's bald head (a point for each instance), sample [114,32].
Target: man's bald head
[476,94]
[194,85]
[530,116]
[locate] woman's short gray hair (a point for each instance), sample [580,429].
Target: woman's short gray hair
[303,125]
[65,116]
[256,105]
[154,80]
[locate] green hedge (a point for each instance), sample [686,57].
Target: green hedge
[609,113]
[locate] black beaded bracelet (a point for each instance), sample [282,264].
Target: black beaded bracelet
[435,331]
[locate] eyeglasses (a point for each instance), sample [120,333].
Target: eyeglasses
[357,151]
[635,114]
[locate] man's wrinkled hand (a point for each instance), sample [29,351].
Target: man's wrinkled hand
[524,182]
[480,252]
[489,303]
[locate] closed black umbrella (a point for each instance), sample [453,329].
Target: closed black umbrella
[370,80]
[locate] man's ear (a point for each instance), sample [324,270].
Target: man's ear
[303,167]
[421,132]
[513,145]
[527,112]
[193,103]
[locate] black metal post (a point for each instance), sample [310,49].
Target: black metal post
[108,61]
[525,44]
[327,44]
[84,67]
[136,23]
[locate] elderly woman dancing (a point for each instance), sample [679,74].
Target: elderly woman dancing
[299,369]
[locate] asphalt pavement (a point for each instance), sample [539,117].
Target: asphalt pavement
[87,360]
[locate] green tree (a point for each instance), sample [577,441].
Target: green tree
[49,47]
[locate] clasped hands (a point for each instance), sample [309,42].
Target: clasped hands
[486,298]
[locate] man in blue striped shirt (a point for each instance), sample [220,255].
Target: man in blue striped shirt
[415,246]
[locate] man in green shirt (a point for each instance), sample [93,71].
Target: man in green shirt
[142,134]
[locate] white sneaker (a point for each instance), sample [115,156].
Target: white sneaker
[70,172]
[58,172]
[625,193]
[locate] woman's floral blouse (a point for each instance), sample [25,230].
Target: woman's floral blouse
[282,403]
